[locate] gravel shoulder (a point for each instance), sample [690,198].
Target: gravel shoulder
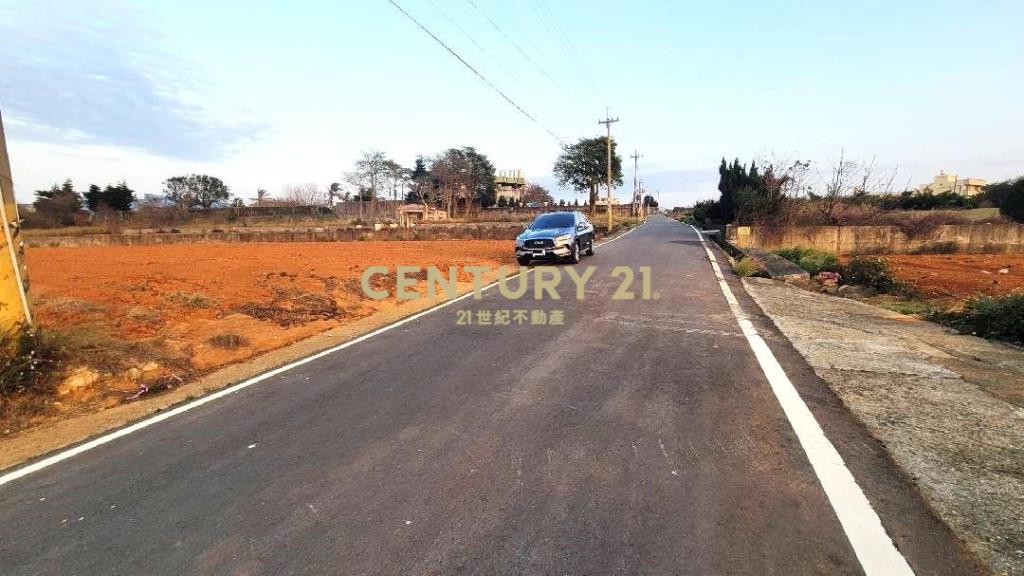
[948,408]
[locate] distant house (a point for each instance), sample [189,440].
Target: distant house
[509,185]
[951,183]
[415,213]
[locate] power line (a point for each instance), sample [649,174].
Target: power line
[511,41]
[522,32]
[475,71]
[568,49]
[482,49]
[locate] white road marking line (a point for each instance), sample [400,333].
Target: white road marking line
[110,437]
[874,548]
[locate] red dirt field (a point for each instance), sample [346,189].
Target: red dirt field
[960,275]
[190,308]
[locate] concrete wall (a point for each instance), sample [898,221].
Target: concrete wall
[431,232]
[849,240]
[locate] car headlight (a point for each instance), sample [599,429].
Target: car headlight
[519,242]
[563,239]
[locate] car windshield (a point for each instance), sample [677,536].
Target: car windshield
[559,220]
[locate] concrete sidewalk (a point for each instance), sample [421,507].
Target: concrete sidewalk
[949,408]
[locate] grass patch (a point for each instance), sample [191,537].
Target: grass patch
[228,341]
[745,267]
[994,317]
[910,307]
[191,299]
[811,260]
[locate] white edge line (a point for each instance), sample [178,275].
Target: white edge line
[110,437]
[874,548]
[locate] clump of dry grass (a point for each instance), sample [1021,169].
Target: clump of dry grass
[71,306]
[191,299]
[143,314]
[228,341]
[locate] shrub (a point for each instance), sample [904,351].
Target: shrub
[873,273]
[29,356]
[996,317]
[811,260]
[1008,196]
[745,267]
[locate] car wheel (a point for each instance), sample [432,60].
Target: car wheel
[590,248]
[574,254]
[523,260]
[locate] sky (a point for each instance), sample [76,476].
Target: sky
[267,94]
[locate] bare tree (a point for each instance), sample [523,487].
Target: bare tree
[851,178]
[307,194]
[537,193]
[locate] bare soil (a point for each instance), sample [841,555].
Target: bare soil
[149,318]
[958,276]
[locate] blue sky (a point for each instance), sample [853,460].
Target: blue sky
[264,94]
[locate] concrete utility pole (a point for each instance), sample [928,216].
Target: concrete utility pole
[637,199]
[608,124]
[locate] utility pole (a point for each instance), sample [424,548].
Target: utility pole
[637,200]
[608,121]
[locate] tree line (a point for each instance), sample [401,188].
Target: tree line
[455,180]
[848,191]
[62,203]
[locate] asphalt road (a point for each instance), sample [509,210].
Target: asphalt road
[641,437]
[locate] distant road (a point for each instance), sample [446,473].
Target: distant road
[642,437]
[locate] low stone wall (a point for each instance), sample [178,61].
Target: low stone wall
[851,240]
[464,232]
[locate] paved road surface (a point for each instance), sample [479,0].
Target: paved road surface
[641,437]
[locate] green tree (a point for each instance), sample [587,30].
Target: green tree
[59,204]
[421,183]
[481,178]
[584,166]
[1008,196]
[464,176]
[94,198]
[195,190]
[118,196]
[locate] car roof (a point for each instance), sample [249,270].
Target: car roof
[559,212]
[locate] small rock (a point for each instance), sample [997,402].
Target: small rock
[1004,270]
[149,367]
[80,379]
[134,374]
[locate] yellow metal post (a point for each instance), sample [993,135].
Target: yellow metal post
[14,306]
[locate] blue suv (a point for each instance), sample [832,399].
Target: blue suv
[554,236]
